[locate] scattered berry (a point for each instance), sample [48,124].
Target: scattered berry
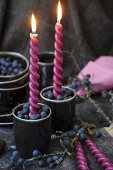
[103,93]
[35,153]
[76,127]
[55,157]
[82,136]
[107,124]
[66,143]
[10,164]
[15,153]
[51,165]
[82,130]
[41,163]
[49,160]
[97,134]
[20,161]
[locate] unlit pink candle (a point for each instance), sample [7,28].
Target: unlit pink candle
[34,76]
[57,78]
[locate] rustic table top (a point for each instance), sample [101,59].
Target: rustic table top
[86,112]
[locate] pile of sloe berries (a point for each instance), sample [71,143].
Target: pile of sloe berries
[49,161]
[82,132]
[66,94]
[14,159]
[10,67]
[24,113]
[74,83]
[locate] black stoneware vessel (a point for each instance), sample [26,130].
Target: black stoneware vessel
[16,56]
[45,69]
[9,98]
[31,134]
[62,110]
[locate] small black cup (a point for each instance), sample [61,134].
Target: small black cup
[45,69]
[31,134]
[62,110]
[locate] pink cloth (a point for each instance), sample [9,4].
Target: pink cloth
[101,71]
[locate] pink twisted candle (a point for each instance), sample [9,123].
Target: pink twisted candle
[82,163]
[101,158]
[34,76]
[57,78]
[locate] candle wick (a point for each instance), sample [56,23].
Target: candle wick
[33,32]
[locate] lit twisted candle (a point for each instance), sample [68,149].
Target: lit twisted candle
[34,76]
[57,78]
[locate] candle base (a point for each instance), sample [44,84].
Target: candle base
[62,110]
[31,134]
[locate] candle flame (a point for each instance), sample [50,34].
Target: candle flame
[33,24]
[59,12]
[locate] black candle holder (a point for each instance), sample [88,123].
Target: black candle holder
[31,134]
[45,69]
[62,110]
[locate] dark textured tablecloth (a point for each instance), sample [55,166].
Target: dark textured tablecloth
[86,112]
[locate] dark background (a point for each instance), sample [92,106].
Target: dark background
[87,26]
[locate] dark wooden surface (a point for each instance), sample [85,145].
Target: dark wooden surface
[86,112]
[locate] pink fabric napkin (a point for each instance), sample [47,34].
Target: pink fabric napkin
[101,71]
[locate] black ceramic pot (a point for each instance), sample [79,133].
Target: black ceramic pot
[16,56]
[62,110]
[16,82]
[9,98]
[45,69]
[31,134]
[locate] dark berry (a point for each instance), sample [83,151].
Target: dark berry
[19,112]
[74,79]
[49,95]
[16,71]
[45,109]
[68,92]
[35,153]
[103,93]
[85,81]
[26,117]
[60,97]
[55,157]
[43,114]
[21,116]
[41,162]
[51,165]
[97,134]
[82,130]
[8,59]
[20,161]
[19,65]
[25,106]
[14,65]
[107,124]
[88,76]
[66,143]
[78,83]
[82,136]
[25,111]
[76,127]
[12,158]
[49,160]
[15,153]
[34,116]
[100,118]
[63,89]
[10,69]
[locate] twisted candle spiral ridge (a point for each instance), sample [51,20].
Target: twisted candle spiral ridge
[57,78]
[101,158]
[82,163]
[34,76]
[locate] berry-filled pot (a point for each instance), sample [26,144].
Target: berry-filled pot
[63,108]
[14,77]
[31,131]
